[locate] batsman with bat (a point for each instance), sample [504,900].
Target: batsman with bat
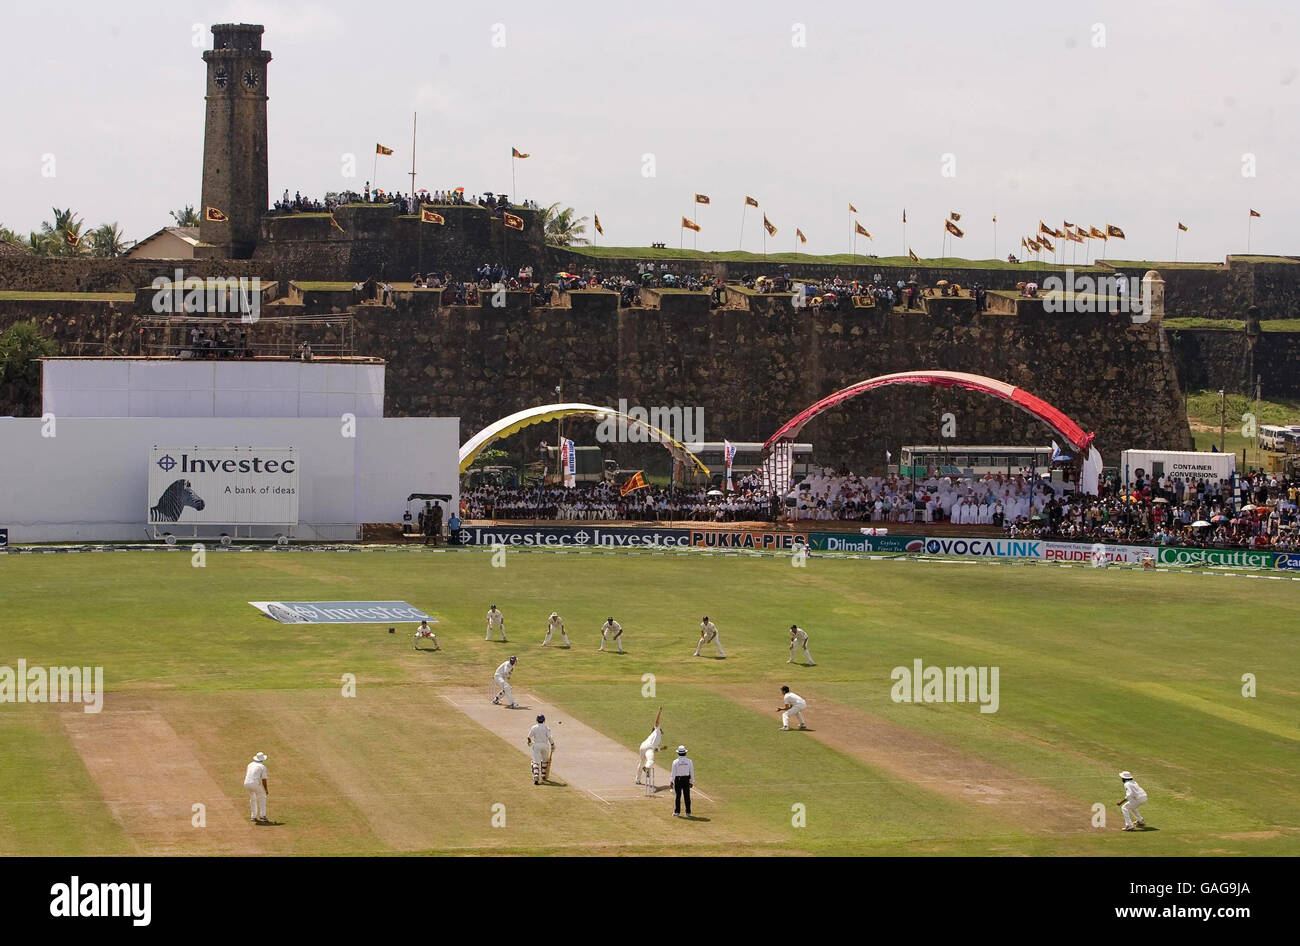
[646,764]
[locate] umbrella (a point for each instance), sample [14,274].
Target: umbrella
[942,282]
[1219,518]
[1249,507]
[1038,517]
[1160,501]
[714,492]
[1200,524]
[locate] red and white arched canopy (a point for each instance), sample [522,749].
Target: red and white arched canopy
[1073,434]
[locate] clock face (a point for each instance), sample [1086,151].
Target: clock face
[250,79]
[221,78]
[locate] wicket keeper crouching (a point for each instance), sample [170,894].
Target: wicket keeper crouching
[543,745]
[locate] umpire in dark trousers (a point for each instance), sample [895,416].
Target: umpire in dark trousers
[683,781]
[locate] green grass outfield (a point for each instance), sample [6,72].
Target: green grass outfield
[1099,670]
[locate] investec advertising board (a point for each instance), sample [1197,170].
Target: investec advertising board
[223,485]
[575,537]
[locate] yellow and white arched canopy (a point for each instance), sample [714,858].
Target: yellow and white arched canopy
[549,412]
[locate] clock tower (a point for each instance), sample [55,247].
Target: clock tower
[234,142]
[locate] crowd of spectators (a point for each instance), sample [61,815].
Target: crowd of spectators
[601,501]
[994,500]
[405,203]
[1199,513]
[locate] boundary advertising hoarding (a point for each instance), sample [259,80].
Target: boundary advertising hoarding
[1084,552]
[223,486]
[747,539]
[574,537]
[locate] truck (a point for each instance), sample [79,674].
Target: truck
[1178,464]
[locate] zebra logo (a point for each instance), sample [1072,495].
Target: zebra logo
[173,502]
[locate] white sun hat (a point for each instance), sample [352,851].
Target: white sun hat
[681,750]
[1126,774]
[260,757]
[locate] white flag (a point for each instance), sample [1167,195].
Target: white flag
[729,454]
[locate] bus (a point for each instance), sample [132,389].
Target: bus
[972,460]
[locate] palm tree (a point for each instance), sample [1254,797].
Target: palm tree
[107,240]
[562,228]
[61,238]
[187,216]
[8,236]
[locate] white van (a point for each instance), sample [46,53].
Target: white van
[1272,437]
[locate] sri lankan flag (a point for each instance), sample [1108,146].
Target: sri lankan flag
[1096,234]
[690,224]
[1116,232]
[701,198]
[428,216]
[1045,229]
[1254,213]
[635,482]
[953,215]
[71,238]
[1023,244]
[1046,244]
[1073,237]
[859,228]
[512,221]
[1067,224]
[767,225]
[213,215]
[1182,226]
[916,259]
[516,153]
[750,201]
[599,228]
[380,149]
[799,234]
[335,224]
[953,229]
[854,210]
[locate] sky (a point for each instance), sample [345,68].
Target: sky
[1139,114]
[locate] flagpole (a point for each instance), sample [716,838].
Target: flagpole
[995,237]
[514,189]
[1177,234]
[1250,223]
[414,116]
[743,208]
[374,170]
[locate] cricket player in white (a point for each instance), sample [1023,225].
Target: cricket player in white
[425,632]
[539,738]
[649,746]
[791,707]
[495,622]
[799,638]
[556,623]
[1134,798]
[611,630]
[709,634]
[255,783]
[502,678]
